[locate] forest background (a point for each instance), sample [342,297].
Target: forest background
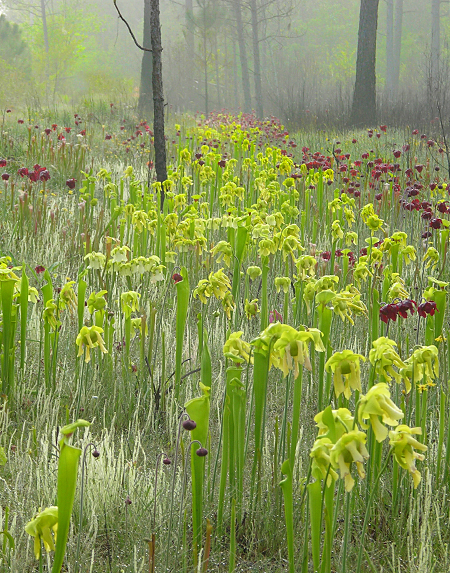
[62,51]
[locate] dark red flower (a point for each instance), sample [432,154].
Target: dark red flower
[3,162]
[71,183]
[405,305]
[389,312]
[427,307]
[326,255]
[397,153]
[176,277]
[23,171]
[44,175]
[39,269]
[20,121]
[436,223]
[5,176]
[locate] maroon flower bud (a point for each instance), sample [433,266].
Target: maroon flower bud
[166,462]
[5,176]
[189,425]
[3,162]
[128,500]
[96,453]
[397,153]
[176,277]
[202,452]
[20,121]
[71,183]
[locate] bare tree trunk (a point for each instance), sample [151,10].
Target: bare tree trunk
[256,60]
[390,49]
[364,108]
[435,42]
[145,91]
[44,25]
[216,57]
[190,44]
[235,79]
[397,44]
[243,55]
[158,98]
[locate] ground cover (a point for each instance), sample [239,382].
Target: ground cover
[262,366]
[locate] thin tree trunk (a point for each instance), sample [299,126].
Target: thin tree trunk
[235,79]
[190,44]
[390,49]
[397,44]
[158,98]
[216,57]
[145,91]
[205,61]
[256,60]
[364,108]
[44,25]
[243,56]
[435,42]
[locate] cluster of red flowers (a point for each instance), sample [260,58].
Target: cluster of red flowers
[38,174]
[392,310]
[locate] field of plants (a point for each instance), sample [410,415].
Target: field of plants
[251,375]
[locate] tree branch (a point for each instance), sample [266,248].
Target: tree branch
[129,29]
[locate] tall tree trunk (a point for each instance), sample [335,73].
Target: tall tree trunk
[397,44]
[216,58]
[243,55]
[435,43]
[145,90]
[158,97]
[364,108]
[235,79]
[44,25]
[390,49]
[190,45]
[256,60]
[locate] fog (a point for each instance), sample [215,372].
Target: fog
[306,51]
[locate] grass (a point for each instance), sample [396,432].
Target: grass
[133,422]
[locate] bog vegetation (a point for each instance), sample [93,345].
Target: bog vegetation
[254,378]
